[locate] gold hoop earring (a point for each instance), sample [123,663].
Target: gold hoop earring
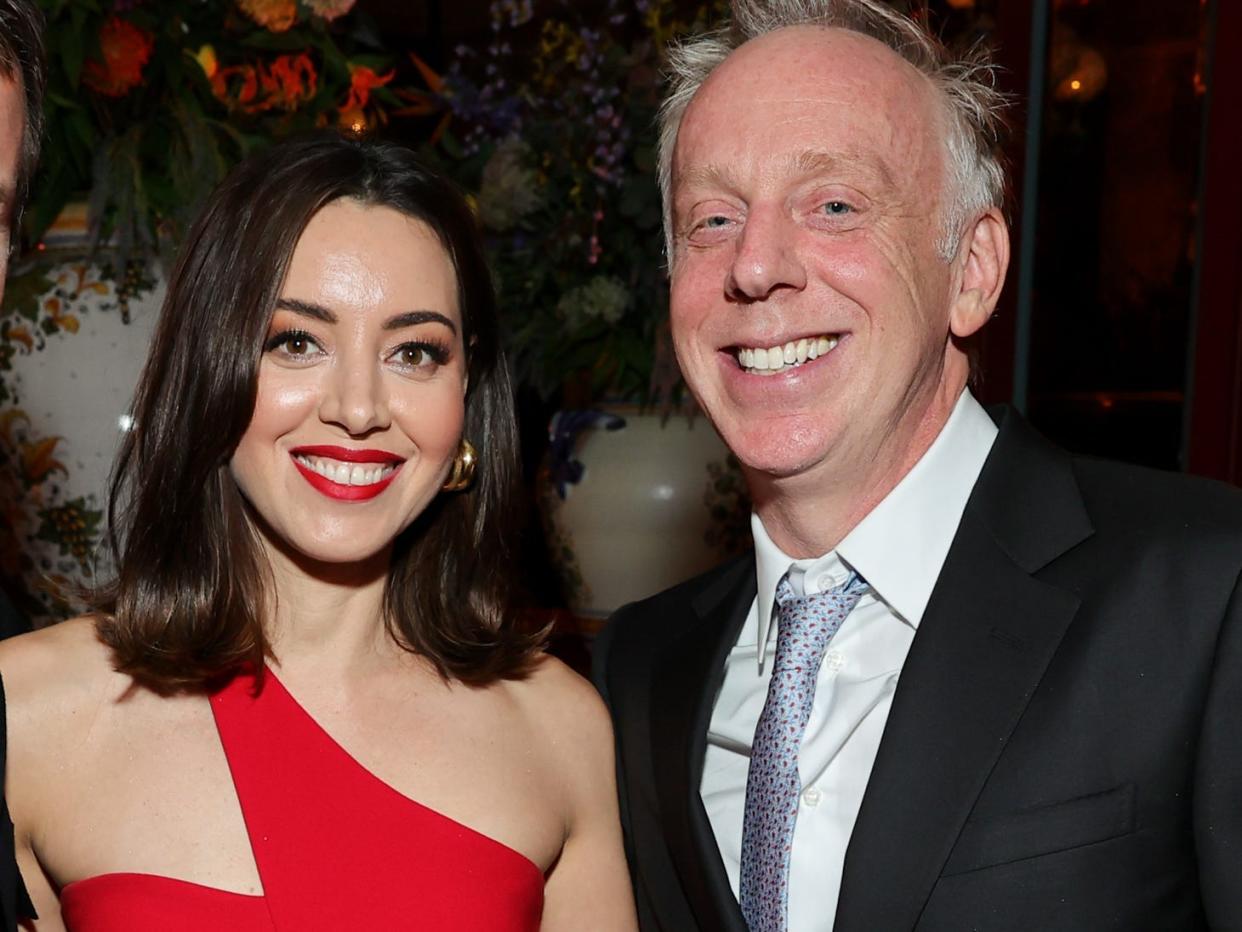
[462,473]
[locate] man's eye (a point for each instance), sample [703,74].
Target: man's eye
[716,221]
[837,208]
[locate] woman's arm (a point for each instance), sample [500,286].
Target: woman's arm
[589,885]
[43,674]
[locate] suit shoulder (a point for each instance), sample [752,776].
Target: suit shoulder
[1155,500]
[638,625]
[656,609]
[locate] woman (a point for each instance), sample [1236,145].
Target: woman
[305,705]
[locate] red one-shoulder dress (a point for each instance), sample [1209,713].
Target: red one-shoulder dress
[336,847]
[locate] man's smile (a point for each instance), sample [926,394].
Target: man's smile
[773,360]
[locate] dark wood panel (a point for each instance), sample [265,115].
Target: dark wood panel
[1214,444]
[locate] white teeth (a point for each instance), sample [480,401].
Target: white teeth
[774,359]
[346,473]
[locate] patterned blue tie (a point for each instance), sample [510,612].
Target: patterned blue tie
[804,628]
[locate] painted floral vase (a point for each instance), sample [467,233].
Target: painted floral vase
[634,502]
[72,344]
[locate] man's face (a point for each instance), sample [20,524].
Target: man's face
[807,180]
[12,125]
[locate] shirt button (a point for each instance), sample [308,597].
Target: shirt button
[826,582]
[834,660]
[811,796]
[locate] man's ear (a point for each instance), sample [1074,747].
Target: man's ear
[985,259]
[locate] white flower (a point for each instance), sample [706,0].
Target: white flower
[510,189]
[602,298]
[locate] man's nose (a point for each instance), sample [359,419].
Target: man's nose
[766,260]
[355,397]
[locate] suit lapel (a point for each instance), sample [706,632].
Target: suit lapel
[686,679]
[983,644]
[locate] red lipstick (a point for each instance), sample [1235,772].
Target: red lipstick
[346,455]
[340,490]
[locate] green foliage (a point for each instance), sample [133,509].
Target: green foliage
[150,104]
[554,129]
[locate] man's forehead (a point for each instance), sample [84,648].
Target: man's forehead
[847,163]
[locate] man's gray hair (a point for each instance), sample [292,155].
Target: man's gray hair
[966,85]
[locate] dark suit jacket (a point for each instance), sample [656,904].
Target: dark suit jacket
[1064,749]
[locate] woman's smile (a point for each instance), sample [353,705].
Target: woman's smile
[346,474]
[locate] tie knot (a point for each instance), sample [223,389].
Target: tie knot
[806,623]
[851,590]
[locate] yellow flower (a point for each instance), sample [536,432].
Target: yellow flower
[206,58]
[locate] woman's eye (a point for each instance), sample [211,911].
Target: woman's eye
[415,356]
[296,343]
[420,355]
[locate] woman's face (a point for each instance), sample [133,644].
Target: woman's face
[362,386]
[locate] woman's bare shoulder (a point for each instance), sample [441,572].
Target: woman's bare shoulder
[568,708]
[57,669]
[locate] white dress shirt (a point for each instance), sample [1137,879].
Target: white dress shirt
[899,548]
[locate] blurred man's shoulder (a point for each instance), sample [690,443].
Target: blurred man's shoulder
[658,618]
[1158,501]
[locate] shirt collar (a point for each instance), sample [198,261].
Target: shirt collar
[901,545]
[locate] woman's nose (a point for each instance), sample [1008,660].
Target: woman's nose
[355,397]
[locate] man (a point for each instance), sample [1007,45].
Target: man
[22,78]
[966,680]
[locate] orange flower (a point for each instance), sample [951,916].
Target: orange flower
[20,334]
[362,80]
[37,459]
[272,15]
[126,50]
[330,9]
[8,422]
[238,92]
[290,80]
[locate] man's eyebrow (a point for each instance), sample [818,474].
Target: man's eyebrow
[806,162]
[817,162]
[317,311]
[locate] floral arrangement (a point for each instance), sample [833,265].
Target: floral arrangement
[148,106]
[552,126]
[150,103]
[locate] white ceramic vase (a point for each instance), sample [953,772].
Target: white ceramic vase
[634,503]
[70,353]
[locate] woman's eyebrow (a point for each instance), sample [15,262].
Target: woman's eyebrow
[307,309]
[396,322]
[411,318]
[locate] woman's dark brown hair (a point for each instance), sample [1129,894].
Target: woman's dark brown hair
[192,584]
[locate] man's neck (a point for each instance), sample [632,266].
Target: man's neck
[809,514]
